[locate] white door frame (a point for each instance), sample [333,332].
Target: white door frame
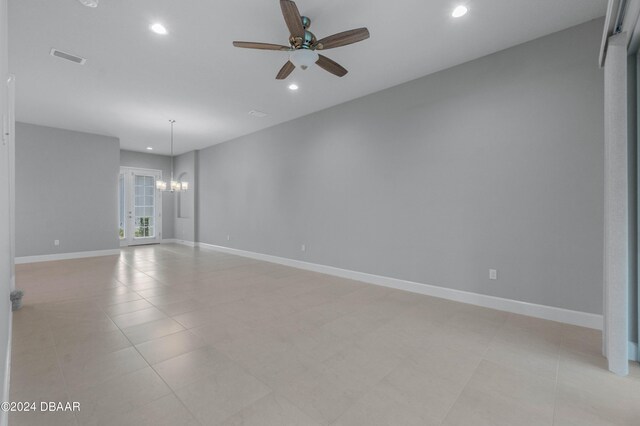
[130,239]
[10,134]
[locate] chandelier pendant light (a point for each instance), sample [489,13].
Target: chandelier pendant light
[173,185]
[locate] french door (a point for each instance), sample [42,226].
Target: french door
[140,207]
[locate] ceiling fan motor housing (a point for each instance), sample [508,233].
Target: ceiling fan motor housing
[308,41]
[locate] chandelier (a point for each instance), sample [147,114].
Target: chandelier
[173,185]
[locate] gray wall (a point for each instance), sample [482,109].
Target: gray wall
[144,160]
[185,170]
[496,163]
[66,189]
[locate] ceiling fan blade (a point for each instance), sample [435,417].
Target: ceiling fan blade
[262,46]
[292,18]
[332,66]
[285,71]
[344,38]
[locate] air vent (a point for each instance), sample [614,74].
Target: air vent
[68,56]
[258,114]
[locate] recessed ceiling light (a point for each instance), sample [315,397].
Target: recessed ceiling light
[293,86]
[150,148]
[459,11]
[158,28]
[89,3]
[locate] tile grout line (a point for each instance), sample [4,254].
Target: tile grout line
[473,373]
[240,366]
[101,308]
[59,364]
[154,370]
[64,378]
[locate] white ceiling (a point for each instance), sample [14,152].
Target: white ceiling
[134,81]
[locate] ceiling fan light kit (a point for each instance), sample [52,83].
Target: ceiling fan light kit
[303,58]
[303,43]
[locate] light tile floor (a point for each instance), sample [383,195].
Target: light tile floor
[170,335]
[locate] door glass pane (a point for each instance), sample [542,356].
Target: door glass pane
[144,206]
[121,206]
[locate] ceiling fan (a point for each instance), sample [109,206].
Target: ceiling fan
[303,43]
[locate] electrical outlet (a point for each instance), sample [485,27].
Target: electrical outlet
[303,247]
[493,274]
[228,237]
[56,242]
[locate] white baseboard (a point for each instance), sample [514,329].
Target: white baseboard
[178,241]
[168,241]
[186,243]
[551,313]
[66,256]
[634,355]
